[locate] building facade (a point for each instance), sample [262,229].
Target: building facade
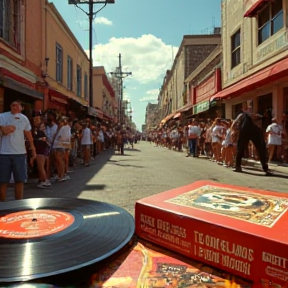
[20,60]
[193,50]
[203,83]
[103,95]
[151,117]
[66,66]
[255,64]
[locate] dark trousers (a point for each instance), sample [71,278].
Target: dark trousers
[251,132]
[193,146]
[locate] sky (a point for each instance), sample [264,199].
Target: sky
[147,34]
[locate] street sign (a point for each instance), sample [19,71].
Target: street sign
[73,2]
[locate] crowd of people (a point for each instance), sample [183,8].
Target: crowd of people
[220,140]
[51,146]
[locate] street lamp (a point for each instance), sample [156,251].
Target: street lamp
[120,75]
[91,14]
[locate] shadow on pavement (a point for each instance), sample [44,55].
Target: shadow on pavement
[73,187]
[93,187]
[255,172]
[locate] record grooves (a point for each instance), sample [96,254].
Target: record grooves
[45,237]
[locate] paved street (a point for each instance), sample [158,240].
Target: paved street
[147,170]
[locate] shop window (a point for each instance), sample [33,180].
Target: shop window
[69,73]
[270,20]
[59,63]
[79,80]
[85,86]
[10,22]
[236,49]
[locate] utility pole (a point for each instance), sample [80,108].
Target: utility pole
[91,14]
[120,75]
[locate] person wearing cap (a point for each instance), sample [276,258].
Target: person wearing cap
[274,131]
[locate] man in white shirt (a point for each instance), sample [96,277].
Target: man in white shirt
[14,127]
[194,133]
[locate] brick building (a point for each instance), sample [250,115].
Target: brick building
[193,50]
[151,117]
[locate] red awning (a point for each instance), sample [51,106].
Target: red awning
[167,118]
[177,115]
[99,113]
[107,117]
[251,12]
[260,78]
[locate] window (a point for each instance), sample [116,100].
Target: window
[10,22]
[86,86]
[270,20]
[235,49]
[69,73]
[79,80]
[59,63]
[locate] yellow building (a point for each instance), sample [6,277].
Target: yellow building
[255,64]
[66,66]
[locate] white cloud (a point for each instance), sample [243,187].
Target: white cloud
[151,96]
[147,57]
[103,20]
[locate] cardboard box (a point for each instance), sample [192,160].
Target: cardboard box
[239,230]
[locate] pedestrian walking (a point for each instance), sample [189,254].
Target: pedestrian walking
[248,131]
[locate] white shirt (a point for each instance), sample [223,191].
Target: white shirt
[275,130]
[14,143]
[50,132]
[86,137]
[101,136]
[217,134]
[194,130]
[63,137]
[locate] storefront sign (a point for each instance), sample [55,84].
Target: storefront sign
[270,48]
[201,107]
[206,89]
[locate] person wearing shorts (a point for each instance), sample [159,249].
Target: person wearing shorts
[14,126]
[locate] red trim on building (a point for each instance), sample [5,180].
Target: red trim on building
[108,86]
[100,113]
[5,72]
[207,88]
[265,76]
[256,5]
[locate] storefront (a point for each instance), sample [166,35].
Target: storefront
[58,102]
[11,90]
[264,92]
[203,108]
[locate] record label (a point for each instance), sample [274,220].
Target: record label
[34,223]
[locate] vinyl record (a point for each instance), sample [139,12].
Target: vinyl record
[46,237]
